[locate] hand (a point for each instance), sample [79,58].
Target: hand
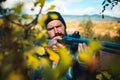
[90,60]
[82,47]
[82,55]
[53,43]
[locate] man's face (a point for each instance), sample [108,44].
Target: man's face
[56,28]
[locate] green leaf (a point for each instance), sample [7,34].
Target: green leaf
[18,8]
[32,9]
[18,32]
[36,3]
[13,17]
[1,57]
[26,16]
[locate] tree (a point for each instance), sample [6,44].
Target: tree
[111,3]
[16,37]
[21,46]
[88,25]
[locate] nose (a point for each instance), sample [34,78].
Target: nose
[55,30]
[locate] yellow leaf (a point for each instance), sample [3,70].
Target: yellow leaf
[106,74]
[52,7]
[35,62]
[99,76]
[44,63]
[41,34]
[53,16]
[53,56]
[31,59]
[65,55]
[40,50]
[66,61]
[42,2]
[84,57]
[95,46]
[1,22]
[42,19]
[87,54]
[15,76]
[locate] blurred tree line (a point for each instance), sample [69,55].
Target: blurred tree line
[88,26]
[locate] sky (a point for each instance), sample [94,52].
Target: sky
[71,7]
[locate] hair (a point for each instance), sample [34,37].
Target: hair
[53,15]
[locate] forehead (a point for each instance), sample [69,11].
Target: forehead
[54,23]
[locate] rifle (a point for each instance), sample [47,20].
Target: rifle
[75,39]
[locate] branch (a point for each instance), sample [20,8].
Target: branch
[107,3]
[34,22]
[26,26]
[6,17]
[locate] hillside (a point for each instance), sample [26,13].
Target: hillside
[95,17]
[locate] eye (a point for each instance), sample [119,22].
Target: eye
[58,26]
[50,29]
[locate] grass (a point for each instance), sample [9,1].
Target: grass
[99,28]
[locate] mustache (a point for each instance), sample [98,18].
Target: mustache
[58,34]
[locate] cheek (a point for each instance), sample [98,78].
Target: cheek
[62,30]
[50,33]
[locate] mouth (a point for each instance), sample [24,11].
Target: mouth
[58,35]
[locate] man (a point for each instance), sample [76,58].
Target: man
[56,29]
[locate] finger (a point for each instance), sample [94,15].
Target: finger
[80,47]
[52,42]
[85,46]
[54,48]
[57,38]
[60,45]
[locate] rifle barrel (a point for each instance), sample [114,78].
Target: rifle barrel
[107,46]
